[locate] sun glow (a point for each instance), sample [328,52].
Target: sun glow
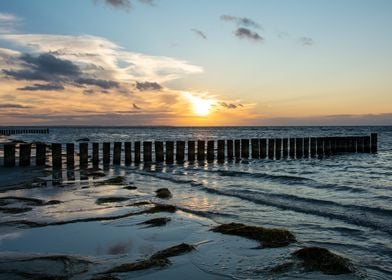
[201,106]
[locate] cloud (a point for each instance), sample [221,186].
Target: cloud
[148,2]
[245,33]
[228,105]
[199,33]
[148,86]
[8,22]
[105,84]
[119,4]
[43,87]
[306,41]
[14,106]
[241,21]
[136,107]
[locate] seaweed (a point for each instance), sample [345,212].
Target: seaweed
[140,265]
[157,222]
[173,251]
[111,199]
[161,208]
[163,193]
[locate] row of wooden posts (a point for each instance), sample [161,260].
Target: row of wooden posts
[9,132]
[277,148]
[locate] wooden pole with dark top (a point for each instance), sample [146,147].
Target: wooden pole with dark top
[271,148]
[313,147]
[210,150]
[237,149]
[327,146]
[201,150]
[95,155]
[159,156]
[106,154]
[128,153]
[367,144]
[191,151]
[147,152]
[263,148]
[40,150]
[137,152]
[278,148]
[83,155]
[373,141]
[221,150]
[230,149]
[24,154]
[117,153]
[245,148]
[57,161]
[320,147]
[255,143]
[306,147]
[292,148]
[180,151]
[169,152]
[285,148]
[70,151]
[299,148]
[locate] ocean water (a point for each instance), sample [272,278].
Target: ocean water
[343,203]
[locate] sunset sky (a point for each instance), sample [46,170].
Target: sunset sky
[195,62]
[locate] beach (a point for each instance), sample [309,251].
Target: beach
[112,223]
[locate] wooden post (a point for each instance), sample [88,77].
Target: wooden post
[263,148]
[24,154]
[95,155]
[169,152]
[191,151]
[137,152]
[159,157]
[237,149]
[327,146]
[292,148]
[278,148]
[57,161]
[210,150]
[255,148]
[106,154]
[83,155]
[367,144]
[285,148]
[40,154]
[180,151]
[147,152]
[230,149]
[117,153]
[373,142]
[245,148]
[128,153]
[271,148]
[299,148]
[70,149]
[320,147]
[306,147]
[201,150]
[313,147]
[221,150]
[361,144]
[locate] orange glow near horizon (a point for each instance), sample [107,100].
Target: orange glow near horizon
[201,106]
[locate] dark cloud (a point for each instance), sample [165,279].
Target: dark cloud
[136,107]
[245,33]
[14,106]
[228,105]
[199,33]
[241,21]
[148,2]
[43,87]
[144,86]
[306,41]
[120,4]
[105,84]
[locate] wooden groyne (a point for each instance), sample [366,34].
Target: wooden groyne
[13,131]
[106,154]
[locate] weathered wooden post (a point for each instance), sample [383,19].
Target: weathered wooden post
[367,144]
[147,152]
[40,154]
[327,146]
[201,150]
[285,148]
[313,147]
[271,148]
[24,154]
[292,148]
[106,154]
[83,155]
[57,161]
[117,153]
[306,147]
[361,144]
[373,142]
[255,143]
[9,155]
[221,150]
[230,149]
[180,151]
[320,147]
[299,148]
[137,152]
[159,157]
[191,151]
[210,150]
[237,149]
[245,148]
[278,148]
[95,155]
[263,148]
[128,153]
[169,152]
[70,150]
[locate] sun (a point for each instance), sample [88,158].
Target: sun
[201,106]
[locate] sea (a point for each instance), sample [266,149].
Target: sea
[342,202]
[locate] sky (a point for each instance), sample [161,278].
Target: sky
[195,62]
